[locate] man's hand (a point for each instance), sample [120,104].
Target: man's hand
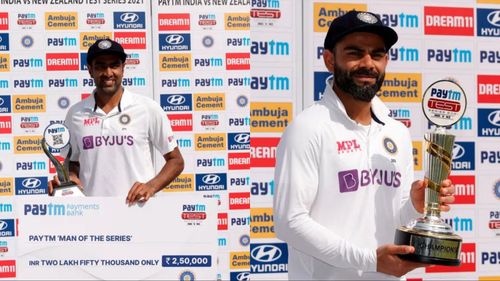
[446,197]
[55,183]
[388,261]
[140,192]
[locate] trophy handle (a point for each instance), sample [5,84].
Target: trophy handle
[61,172]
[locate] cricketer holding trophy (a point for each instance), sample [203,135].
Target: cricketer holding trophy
[443,103]
[57,136]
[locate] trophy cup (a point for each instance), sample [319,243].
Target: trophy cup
[56,136]
[443,103]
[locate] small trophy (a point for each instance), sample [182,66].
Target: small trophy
[443,103]
[56,136]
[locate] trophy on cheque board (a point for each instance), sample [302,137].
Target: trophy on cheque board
[443,103]
[57,136]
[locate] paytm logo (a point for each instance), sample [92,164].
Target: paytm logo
[488,22]
[404,54]
[351,180]
[399,20]
[272,82]
[44,209]
[176,102]
[129,20]
[5,106]
[174,42]
[238,141]
[262,188]
[460,224]
[449,55]
[490,156]
[488,122]
[5,208]
[271,48]
[31,166]
[175,83]
[463,156]
[489,56]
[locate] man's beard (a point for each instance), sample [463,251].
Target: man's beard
[345,82]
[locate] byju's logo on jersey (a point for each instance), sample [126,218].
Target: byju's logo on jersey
[489,122]
[129,20]
[176,102]
[351,180]
[94,142]
[268,258]
[175,41]
[463,156]
[488,22]
[31,185]
[209,182]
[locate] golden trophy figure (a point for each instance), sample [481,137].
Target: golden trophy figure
[443,103]
[57,136]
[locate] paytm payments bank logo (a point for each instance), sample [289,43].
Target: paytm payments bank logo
[488,122]
[351,180]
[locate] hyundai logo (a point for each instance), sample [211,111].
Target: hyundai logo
[2,101]
[242,138]
[31,183]
[211,179]
[243,276]
[174,39]
[3,225]
[494,118]
[176,99]
[494,18]
[1,39]
[129,17]
[266,253]
[458,151]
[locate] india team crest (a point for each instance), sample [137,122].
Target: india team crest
[390,145]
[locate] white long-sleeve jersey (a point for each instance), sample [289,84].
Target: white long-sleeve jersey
[341,190]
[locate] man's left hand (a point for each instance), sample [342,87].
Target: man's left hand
[140,192]
[446,197]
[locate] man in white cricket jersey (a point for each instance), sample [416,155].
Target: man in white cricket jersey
[344,172]
[114,133]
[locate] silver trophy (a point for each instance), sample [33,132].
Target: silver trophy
[443,103]
[56,136]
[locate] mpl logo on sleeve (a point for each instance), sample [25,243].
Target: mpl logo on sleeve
[5,124]
[180,21]
[488,122]
[467,257]
[62,61]
[263,152]
[449,21]
[465,189]
[488,22]
[488,88]
[129,20]
[6,186]
[4,21]
[131,40]
[61,20]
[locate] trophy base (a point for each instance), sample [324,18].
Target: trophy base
[69,189]
[430,248]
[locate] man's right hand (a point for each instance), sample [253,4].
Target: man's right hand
[389,262]
[55,183]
